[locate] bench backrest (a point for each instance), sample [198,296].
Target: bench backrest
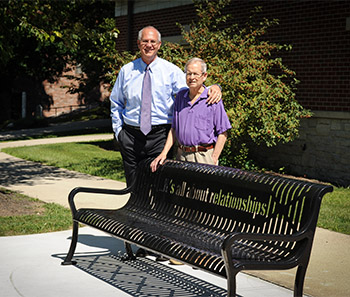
[229,199]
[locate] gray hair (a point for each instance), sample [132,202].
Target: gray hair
[193,60]
[149,27]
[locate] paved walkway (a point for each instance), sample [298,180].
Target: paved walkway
[56,128]
[30,264]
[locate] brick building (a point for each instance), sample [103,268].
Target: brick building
[319,32]
[64,102]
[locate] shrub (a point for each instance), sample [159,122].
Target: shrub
[258,89]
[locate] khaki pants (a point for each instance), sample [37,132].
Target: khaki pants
[198,157]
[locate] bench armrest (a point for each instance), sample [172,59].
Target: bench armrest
[93,190]
[226,249]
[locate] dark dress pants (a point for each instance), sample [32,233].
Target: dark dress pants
[135,147]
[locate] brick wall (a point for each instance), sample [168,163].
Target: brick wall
[62,101]
[316,30]
[164,20]
[321,49]
[320,37]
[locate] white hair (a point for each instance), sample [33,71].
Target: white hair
[193,60]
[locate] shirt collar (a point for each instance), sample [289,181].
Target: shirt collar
[151,65]
[202,96]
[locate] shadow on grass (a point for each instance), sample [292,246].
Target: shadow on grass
[109,145]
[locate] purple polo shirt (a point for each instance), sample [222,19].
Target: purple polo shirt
[199,123]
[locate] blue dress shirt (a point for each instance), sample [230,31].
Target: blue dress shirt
[167,80]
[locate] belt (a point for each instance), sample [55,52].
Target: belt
[196,148]
[154,127]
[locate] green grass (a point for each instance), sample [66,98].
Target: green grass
[335,211]
[49,217]
[55,218]
[98,158]
[94,158]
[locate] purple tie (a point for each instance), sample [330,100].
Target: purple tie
[146,101]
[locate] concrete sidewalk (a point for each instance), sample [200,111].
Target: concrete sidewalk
[30,262]
[30,267]
[81,126]
[51,184]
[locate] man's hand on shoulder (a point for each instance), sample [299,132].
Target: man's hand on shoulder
[215,94]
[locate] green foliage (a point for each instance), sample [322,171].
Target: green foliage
[31,42]
[258,89]
[40,38]
[94,43]
[175,53]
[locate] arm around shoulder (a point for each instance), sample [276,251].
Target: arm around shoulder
[214,93]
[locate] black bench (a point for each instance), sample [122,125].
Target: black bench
[218,219]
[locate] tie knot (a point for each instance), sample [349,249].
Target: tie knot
[147,68]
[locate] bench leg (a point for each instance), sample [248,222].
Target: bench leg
[231,284]
[73,245]
[299,281]
[129,251]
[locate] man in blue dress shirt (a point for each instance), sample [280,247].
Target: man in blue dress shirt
[166,81]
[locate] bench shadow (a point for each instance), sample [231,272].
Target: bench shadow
[141,277]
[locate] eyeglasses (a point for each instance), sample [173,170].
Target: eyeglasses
[195,75]
[152,42]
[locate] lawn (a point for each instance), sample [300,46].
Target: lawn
[335,211]
[100,159]
[20,214]
[95,158]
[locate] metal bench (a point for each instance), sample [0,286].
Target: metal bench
[218,219]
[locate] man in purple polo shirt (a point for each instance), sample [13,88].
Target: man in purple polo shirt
[199,128]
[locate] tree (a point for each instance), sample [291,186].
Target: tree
[38,39]
[94,45]
[28,54]
[258,89]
